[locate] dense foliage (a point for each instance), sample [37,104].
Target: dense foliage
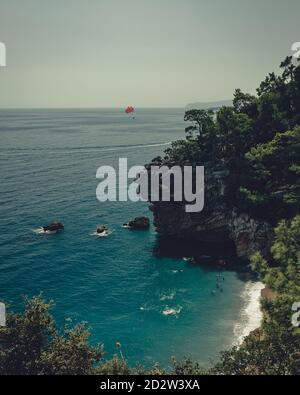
[30,343]
[257,140]
[272,186]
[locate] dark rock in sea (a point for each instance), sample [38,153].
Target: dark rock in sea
[219,223]
[53,227]
[139,223]
[101,229]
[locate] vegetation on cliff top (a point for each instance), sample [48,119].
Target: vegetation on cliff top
[257,140]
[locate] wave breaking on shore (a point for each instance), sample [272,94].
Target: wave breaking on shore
[251,314]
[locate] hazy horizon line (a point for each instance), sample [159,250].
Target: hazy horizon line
[113,108]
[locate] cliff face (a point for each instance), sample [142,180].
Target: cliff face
[218,223]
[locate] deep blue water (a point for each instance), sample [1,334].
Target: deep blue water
[48,163]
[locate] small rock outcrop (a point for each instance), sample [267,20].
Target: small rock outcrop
[101,229]
[54,226]
[139,223]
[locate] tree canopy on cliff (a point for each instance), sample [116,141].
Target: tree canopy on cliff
[257,140]
[271,186]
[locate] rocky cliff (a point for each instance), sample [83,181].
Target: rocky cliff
[218,223]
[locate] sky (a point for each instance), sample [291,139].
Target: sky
[148,53]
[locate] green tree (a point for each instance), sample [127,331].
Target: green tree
[271,185]
[31,344]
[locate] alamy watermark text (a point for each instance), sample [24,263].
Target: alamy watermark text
[156,183]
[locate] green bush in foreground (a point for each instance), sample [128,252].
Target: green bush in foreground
[31,344]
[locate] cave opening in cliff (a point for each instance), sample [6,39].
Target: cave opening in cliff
[202,253]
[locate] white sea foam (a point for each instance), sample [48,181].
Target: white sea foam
[102,234]
[38,231]
[251,314]
[148,307]
[41,231]
[175,271]
[145,308]
[169,296]
[172,311]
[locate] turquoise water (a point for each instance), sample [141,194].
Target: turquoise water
[117,284]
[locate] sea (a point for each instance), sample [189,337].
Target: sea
[156,306]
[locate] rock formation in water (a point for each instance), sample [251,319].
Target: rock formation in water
[101,229]
[139,223]
[54,226]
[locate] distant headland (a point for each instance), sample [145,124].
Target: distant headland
[208,105]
